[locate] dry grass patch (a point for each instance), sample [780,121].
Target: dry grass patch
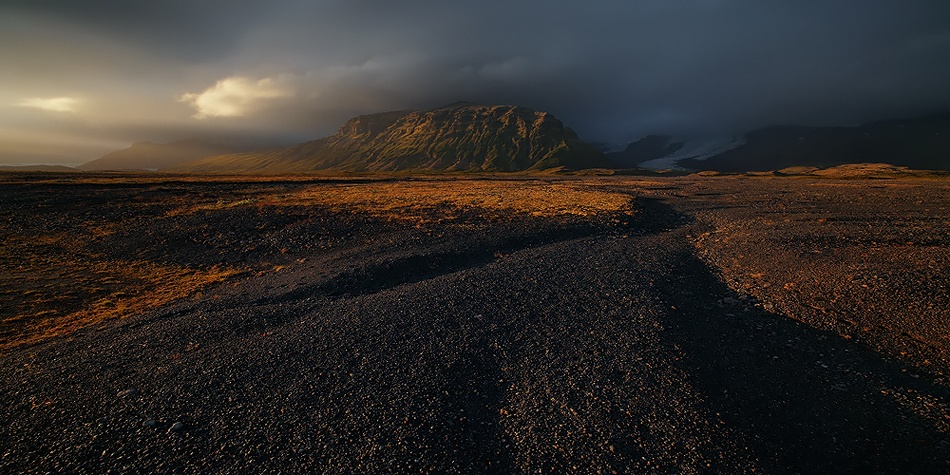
[51,286]
[89,293]
[144,286]
[415,200]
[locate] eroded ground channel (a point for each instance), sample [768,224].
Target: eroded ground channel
[566,325]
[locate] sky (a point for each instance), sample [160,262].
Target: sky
[80,79]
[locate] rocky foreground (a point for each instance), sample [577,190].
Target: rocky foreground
[689,325]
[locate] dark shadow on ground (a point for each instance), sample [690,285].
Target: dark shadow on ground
[474,398]
[805,401]
[453,253]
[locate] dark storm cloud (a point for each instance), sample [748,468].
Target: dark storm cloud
[613,70]
[187,29]
[625,68]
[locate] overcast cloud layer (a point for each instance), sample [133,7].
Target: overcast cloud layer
[80,79]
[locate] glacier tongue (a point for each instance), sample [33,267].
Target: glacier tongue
[695,149]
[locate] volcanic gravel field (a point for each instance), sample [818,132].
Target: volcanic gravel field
[681,325]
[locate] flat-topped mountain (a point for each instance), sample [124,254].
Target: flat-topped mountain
[459,137]
[158,156]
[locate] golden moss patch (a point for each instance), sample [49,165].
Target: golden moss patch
[413,200]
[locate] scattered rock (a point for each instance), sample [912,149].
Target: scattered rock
[176,427]
[127,393]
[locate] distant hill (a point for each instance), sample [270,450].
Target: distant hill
[922,143]
[156,156]
[857,170]
[459,137]
[37,168]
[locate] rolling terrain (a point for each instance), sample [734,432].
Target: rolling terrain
[480,324]
[37,168]
[158,157]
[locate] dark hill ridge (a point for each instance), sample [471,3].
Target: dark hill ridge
[38,168]
[459,137]
[158,156]
[922,143]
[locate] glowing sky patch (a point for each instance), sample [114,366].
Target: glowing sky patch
[52,104]
[234,96]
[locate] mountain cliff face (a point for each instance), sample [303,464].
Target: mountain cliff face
[460,137]
[157,156]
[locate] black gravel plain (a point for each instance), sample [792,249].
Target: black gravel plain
[602,344]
